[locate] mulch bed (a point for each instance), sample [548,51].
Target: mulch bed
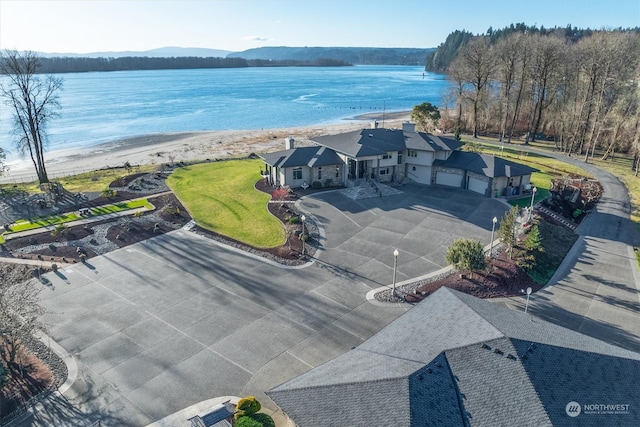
[503,278]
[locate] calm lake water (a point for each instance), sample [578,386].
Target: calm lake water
[107,106]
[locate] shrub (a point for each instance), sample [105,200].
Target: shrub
[255,420]
[577,213]
[279,194]
[467,255]
[328,182]
[247,406]
[108,193]
[293,220]
[316,185]
[59,230]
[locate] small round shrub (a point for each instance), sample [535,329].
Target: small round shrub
[294,220]
[255,420]
[316,185]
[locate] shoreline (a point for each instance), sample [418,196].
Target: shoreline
[169,147]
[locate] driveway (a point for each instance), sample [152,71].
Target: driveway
[596,290]
[421,223]
[178,319]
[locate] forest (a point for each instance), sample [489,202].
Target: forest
[128,63]
[579,88]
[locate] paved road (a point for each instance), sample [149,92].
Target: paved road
[178,319]
[596,290]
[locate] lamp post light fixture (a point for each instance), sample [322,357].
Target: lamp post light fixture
[493,229]
[303,218]
[395,268]
[528,291]
[533,194]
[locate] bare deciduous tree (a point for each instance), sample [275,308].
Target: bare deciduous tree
[33,100]
[477,64]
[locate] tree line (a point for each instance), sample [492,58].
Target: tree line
[58,65]
[583,92]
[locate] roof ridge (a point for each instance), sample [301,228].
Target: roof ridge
[457,295]
[334,384]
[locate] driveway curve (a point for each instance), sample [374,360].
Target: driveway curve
[596,290]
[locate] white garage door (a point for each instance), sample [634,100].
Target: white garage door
[447,178]
[477,185]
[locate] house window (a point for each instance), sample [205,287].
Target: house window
[399,157]
[384,171]
[297,173]
[319,173]
[387,156]
[413,153]
[337,171]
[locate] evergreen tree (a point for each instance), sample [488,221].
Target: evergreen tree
[507,230]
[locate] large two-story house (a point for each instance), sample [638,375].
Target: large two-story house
[386,155]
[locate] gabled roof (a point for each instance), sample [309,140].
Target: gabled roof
[376,142]
[485,164]
[457,360]
[302,156]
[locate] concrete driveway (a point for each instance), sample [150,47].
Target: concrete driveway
[178,319]
[421,223]
[596,290]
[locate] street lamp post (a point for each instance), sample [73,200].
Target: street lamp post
[526,306]
[533,194]
[395,268]
[493,229]
[302,218]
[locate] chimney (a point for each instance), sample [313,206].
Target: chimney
[408,127]
[374,124]
[288,143]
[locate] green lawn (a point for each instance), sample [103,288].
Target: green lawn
[38,222]
[221,197]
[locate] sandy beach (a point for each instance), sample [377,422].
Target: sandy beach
[188,146]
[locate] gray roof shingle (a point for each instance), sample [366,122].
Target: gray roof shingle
[437,365]
[485,164]
[375,142]
[302,156]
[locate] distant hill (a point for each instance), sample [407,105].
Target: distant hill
[162,52]
[351,55]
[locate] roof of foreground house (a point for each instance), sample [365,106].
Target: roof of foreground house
[485,164]
[379,141]
[302,156]
[456,360]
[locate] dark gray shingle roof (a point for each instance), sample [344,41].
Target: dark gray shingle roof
[485,164]
[450,341]
[375,142]
[302,156]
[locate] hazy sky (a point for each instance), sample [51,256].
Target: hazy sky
[81,26]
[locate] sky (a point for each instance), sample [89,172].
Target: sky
[83,26]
